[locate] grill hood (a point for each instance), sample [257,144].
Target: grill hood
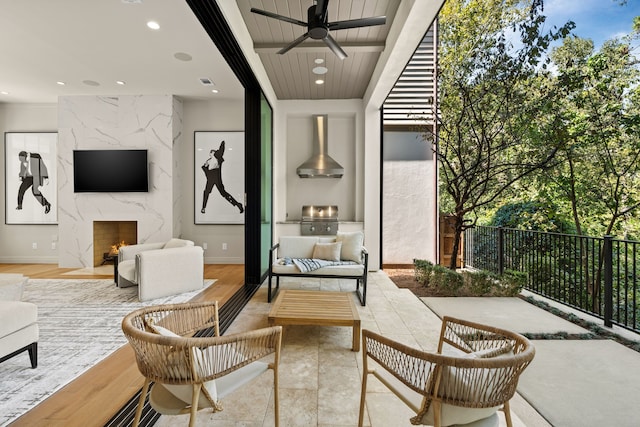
[320,164]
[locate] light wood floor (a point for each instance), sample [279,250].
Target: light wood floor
[97,395]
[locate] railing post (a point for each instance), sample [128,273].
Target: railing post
[500,250]
[608,281]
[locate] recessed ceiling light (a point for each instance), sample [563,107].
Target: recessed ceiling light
[320,70]
[319,61]
[214,90]
[61,83]
[4,92]
[319,82]
[153,25]
[181,56]
[91,83]
[120,82]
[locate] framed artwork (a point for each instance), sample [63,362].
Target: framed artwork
[30,164]
[219,177]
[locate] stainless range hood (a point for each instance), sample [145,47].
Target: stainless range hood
[320,164]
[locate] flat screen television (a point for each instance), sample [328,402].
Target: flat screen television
[110,171]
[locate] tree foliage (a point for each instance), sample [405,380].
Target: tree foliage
[487,138]
[524,126]
[598,118]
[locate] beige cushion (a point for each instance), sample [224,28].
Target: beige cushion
[327,251]
[352,243]
[177,243]
[225,385]
[452,415]
[184,392]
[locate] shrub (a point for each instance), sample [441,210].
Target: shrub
[445,280]
[422,270]
[479,283]
[512,282]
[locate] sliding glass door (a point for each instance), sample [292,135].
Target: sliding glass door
[266,183]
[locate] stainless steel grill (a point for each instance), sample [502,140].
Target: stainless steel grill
[319,221]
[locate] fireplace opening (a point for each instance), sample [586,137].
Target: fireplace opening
[109,236]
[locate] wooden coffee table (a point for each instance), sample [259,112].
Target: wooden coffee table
[317,308]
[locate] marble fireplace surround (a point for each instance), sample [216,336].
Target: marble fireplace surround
[151,122]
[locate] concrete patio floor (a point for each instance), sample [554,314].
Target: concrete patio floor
[569,383]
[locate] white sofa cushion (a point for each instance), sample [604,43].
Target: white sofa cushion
[127,270]
[327,251]
[333,270]
[19,339]
[165,272]
[177,243]
[297,246]
[352,243]
[15,315]
[12,286]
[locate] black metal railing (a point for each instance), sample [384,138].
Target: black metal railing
[595,275]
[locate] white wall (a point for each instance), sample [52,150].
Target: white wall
[409,212]
[292,138]
[341,145]
[16,240]
[209,116]
[409,203]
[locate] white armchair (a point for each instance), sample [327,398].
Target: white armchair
[161,269]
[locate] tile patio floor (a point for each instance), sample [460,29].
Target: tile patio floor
[320,376]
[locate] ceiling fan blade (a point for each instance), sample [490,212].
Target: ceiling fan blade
[280,17]
[356,23]
[294,43]
[321,8]
[334,46]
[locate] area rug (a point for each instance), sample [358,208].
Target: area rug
[79,323]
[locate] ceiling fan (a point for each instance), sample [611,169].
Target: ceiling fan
[318,26]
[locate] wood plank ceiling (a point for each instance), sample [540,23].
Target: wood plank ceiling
[291,73]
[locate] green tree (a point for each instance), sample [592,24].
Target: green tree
[486,137]
[597,127]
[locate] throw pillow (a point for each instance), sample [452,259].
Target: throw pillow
[327,251]
[351,245]
[177,243]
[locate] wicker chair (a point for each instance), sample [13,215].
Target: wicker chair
[173,351]
[474,373]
